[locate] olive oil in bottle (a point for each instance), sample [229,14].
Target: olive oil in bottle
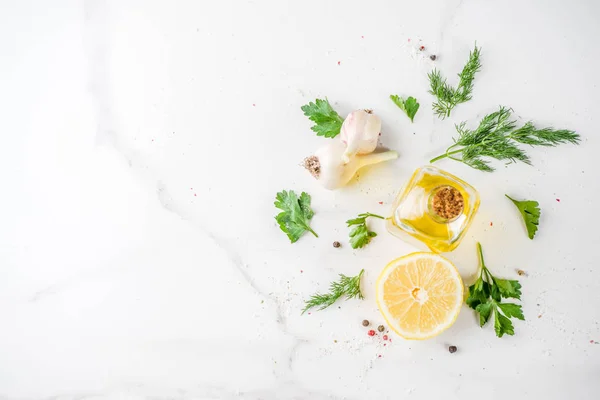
[436,208]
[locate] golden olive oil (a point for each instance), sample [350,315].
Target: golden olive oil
[436,208]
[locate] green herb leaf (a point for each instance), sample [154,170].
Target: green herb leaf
[447,96]
[327,121]
[485,297]
[528,134]
[503,325]
[296,214]
[304,202]
[479,293]
[410,106]
[346,286]
[360,235]
[497,137]
[484,310]
[508,288]
[512,310]
[530,211]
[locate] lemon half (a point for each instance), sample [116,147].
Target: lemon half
[420,295]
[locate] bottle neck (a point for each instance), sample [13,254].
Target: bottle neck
[445,204]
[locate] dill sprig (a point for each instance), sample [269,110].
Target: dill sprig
[496,137]
[348,286]
[447,96]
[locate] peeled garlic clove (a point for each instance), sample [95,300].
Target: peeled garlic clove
[360,133]
[329,168]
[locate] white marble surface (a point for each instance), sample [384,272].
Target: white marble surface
[143,143]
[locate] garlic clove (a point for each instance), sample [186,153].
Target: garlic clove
[360,133]
[376,158]
[329,168]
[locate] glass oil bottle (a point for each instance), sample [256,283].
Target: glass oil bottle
[436,208]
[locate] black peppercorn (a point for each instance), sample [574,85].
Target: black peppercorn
[337,244]
[433,57]
[365,322]
[381,328]
[452,349]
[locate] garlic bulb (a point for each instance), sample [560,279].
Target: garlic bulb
[360,133]
[330,166]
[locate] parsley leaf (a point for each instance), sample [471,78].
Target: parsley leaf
[327,121]
[478,293]
[296,214]
[485,297]
[348,286]
[502,325]
[508,288]
[360,235]
[530,211]
[410,106]
[484,310]
[512,310]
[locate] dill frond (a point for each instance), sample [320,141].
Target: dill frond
[497,137]
[447,96]
[348,286]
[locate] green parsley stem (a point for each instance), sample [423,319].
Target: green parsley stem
[311,231]
[480,252]
[484,269]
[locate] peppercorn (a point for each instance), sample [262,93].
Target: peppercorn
[371,332]
[433,57]
[365,322]
[381,328]
[385,337]
[337,244]
[452,349]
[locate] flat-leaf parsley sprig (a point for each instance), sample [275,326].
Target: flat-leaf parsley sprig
[485,297]
[328,122]
[296,214]
[497,137]
[348,286]
[447,96]
[360,235]
[530,211]
[410,106]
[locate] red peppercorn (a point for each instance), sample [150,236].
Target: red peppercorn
[371,332]
[385,337]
